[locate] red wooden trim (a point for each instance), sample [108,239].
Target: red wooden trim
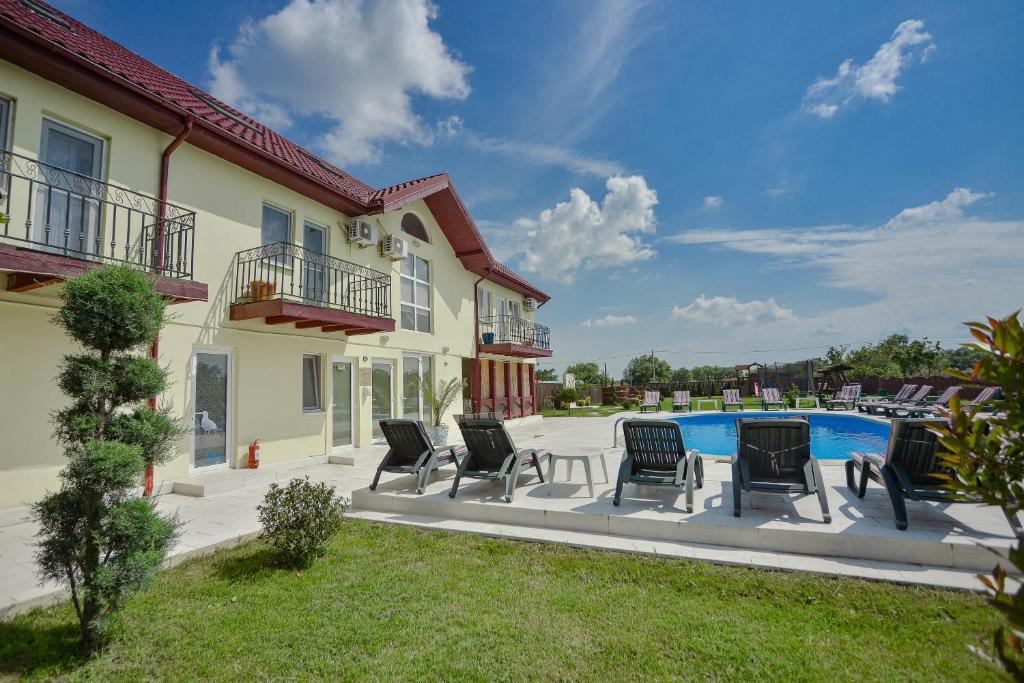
[508,389]
[24,282]
[515,350]
[493,375]
[475,382]
[25,263]
[277,312]
[533,389]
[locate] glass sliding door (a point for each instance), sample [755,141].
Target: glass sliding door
[341,405]
[67,213]
[211,381]
[415,372]
[381,395]
[314,269]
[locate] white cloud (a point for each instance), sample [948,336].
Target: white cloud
[544,155]
[876,78]
[609,321]
[924,269]
[449,127]
[776,192]
[355,65]
[726,311]
[582,234]
[713,201]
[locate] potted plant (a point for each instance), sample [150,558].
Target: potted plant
[261,290]
[438,398]
[488,337]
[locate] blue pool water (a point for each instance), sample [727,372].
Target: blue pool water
[833,436]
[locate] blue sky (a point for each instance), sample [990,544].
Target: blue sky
[724,182]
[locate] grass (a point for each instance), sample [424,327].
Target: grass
[749,403]
[394,603]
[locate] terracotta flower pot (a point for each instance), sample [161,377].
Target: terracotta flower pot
[261,290]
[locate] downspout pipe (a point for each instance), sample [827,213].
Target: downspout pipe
[476,328]
[165,167]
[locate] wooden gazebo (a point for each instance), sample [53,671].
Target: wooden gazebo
[832,378]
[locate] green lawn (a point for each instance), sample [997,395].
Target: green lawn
[749,402]
[400,603]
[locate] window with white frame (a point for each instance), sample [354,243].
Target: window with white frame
[415,373]
[415,280]
[311,384]
[276,225]
[5,122]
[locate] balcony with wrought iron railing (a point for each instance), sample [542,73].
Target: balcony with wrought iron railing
[284,283]
[509,335]
[57,223]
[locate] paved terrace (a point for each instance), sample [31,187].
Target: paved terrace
[946,545]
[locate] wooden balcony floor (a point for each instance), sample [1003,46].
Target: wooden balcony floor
[304,316]
[515,350]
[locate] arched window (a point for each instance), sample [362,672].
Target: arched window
[412,225]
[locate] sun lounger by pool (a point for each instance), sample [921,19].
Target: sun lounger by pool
[902,395]
[681,401]
[731,398]
[770,397]
[656,456]
[847,398]
[490,454]
[652,399]
[911,469]
[410,452]
[774,456]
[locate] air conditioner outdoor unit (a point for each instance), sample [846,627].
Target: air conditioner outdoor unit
[362,233]
[530,303]
[395,248]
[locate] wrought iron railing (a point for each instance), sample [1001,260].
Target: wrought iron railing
[509,329]
[54,210]
[287,271]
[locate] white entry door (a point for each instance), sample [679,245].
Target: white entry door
[212,405]
[382,396]
[342,403]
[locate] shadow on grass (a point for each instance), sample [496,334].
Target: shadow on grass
[256,561]
[27,648]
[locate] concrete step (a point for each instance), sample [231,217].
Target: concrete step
[223,481]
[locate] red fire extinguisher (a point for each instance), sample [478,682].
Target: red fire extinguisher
[254,454]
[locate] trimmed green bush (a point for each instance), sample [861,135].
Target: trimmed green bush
[300,518]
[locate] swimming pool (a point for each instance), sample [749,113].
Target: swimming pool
[833,436]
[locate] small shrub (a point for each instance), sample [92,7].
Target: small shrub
[563,397]
[299,519]
[792,395]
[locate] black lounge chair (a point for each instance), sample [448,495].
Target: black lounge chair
[410,452]
[882,407]
[655,456]
[774,456]
[848,397]
[902,395]
[909,469]
[770,397]
[490,454]
[459,419]
[986,395]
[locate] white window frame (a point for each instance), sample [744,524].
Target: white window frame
[100,144]
[425,362]
[6,111]
[354,417]
[280,209]
[415,306]
[319,377]
[229,429]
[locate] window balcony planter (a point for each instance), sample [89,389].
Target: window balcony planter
[283,283]
[55,224]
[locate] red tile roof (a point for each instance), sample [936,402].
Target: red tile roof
[73,40]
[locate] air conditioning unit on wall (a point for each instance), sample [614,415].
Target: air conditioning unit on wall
[395,248]
[530,304]
[362,233]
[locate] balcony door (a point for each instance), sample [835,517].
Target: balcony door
[314,263]
[500,311]
[342,402]
[415,372]
[67,213]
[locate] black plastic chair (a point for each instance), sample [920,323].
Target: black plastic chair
[774,456]
[911,469]
[656,456]
[490,454]
[410,452]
